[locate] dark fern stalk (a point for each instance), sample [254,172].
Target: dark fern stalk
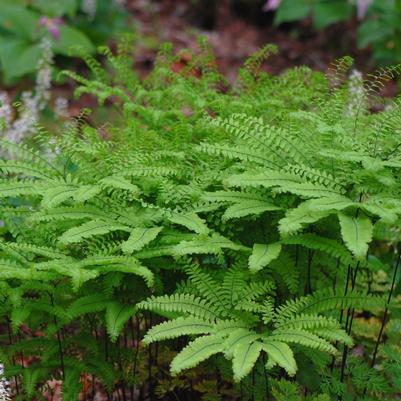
[266,377]
[59,340]
[384,319]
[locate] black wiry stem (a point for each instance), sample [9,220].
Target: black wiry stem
[266,378]
[59,340]
[384,320]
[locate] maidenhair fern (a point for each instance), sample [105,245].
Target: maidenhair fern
[255,221]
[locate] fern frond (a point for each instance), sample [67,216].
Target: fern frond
[357,233]
[176,328]
[263,254]
[279,353]
[181,303]
[245,355]
[139,237]
[195,352]
[90,229]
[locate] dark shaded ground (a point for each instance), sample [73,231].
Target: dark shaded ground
[238,28]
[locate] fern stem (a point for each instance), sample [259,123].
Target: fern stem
[59,341]
[136,348]
[308,288]
[384,319]
[150,359]
[106,356]
[266,377]
[10,339]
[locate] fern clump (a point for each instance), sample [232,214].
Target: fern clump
[261,222]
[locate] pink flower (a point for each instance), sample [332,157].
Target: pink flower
[52,25]
[362,7]
[271,5]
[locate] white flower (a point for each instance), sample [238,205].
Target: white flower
[357,94]
[5,109]
[4,386]
[89,8]
[61,107]
[31,102]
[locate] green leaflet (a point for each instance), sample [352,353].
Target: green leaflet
[32,375]
[57,194]
[205,244]
[117,314]
[26,168]
[90,229]
[88,304]
[72,385]
[69,213]
[334,334]
[303,338]
[311,211]
[191,221]
[176,328]
[195,352]
[329,246]
[238,336]
[267,180]
[140,237]
[357,233]
[231,197]
[296,218]
[281,354]
[263,254]
[246,208]
[11,270]
[120,182]
[245,355]
[185,303]
[308,189]
[69,268]
[19,316]
[16,188]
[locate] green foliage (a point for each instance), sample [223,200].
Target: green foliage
[259,222]
[378,27]
[23,24]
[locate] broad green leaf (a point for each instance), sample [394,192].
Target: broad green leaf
[357,233]
[326,13]
[56,8]
[117,315]
[19,20]
[371,31]
[69,38]
[290,10]
[18,57]
[263,254]
[140,237]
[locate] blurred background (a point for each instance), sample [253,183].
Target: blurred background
[39,38]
